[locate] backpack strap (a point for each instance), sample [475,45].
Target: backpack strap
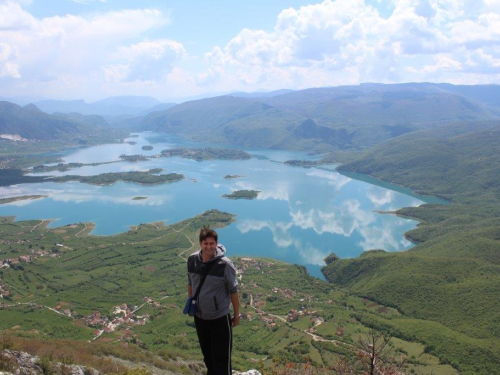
[203,277]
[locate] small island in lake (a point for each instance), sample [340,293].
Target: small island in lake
[147,147]
[304,163]
[242,194]
[330,158]
[139,198]
[150,177]
[208,153]
[133,157]
[231,176]
[21,198]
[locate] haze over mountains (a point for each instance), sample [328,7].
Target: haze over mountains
[316,119]
[325,118]
[113,106]
[31,123]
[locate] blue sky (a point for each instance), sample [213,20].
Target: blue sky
[197,24]
[91,49]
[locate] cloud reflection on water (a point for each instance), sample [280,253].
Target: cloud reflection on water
[334,178]
[279,192]
[347,219]
[82,197]
[11,191]
[343,219]
[283,239]
[379,196]
[382,237]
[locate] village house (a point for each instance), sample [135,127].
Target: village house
[25,258]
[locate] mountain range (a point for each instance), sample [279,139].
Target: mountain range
[316,119]
[112,106]
[31,123]
[321,119]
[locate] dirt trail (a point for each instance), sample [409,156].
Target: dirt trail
[40,223]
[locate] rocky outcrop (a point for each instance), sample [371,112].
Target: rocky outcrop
[21,363]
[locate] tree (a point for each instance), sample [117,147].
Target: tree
[374,357]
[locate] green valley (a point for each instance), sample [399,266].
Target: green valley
[62,283]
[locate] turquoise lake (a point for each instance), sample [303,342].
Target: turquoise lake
[300,216]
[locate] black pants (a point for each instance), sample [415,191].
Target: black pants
[216,341]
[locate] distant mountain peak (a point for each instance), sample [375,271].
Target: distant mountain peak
[129,100]
[32,107]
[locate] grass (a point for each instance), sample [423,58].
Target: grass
[97,273]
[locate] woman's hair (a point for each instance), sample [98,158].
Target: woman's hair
[207,232]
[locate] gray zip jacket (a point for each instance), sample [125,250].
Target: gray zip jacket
[214,298]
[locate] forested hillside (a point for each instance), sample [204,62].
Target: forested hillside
[453,276]
[32,124]
[320,119]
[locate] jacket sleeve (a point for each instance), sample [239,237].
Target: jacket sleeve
[231,278]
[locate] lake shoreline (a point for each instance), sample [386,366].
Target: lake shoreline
[278,219]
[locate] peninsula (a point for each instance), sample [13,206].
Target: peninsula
[133,157]
[63,167]
[208,153]
[146,178]
[21,198]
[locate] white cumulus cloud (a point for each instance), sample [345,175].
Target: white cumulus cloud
[349,41]
[60,54]
[145,61]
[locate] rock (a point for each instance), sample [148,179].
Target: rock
[249,372]
[21,363]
